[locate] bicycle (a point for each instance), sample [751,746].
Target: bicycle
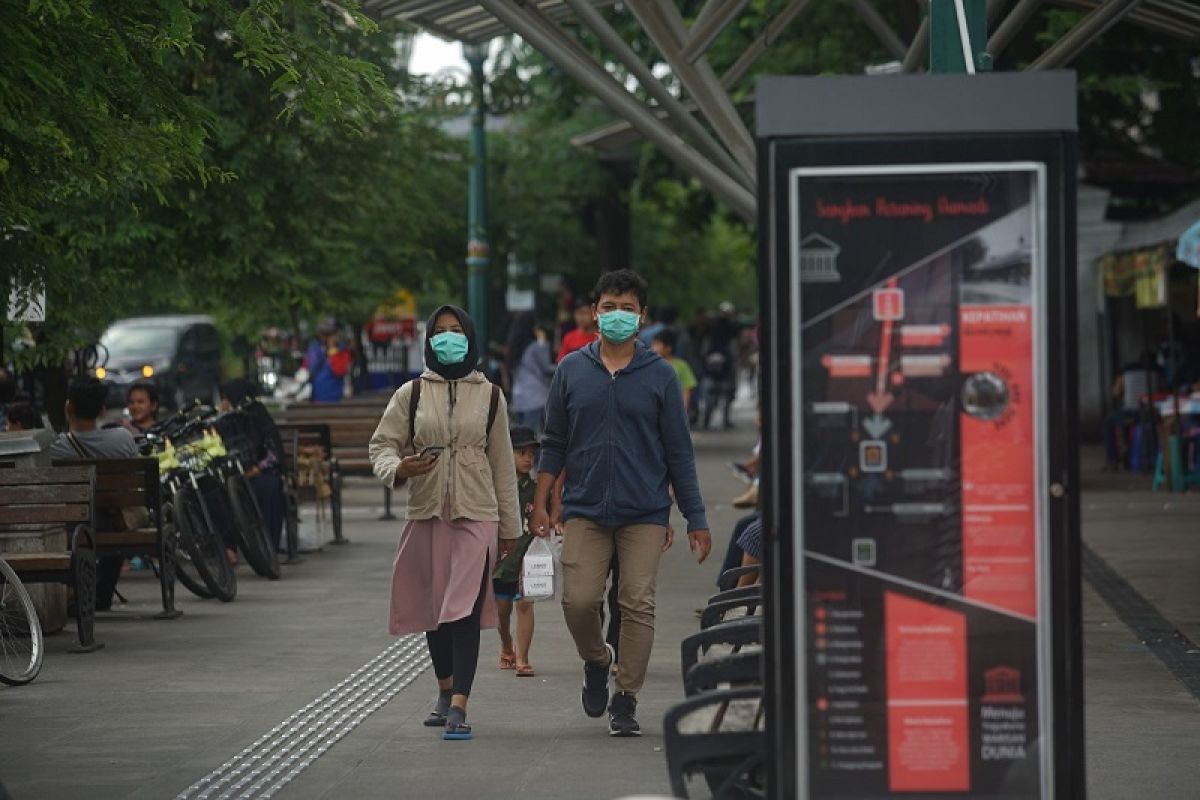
[220,479]
[21,644]
[202,565]
[249,526]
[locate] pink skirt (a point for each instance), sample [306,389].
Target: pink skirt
[438,574]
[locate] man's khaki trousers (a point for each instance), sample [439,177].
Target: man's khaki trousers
[587,552]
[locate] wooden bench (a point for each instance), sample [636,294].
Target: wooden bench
[131,483]
[301,436]
[349,426]
[53,497]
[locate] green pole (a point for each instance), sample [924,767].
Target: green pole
[945,41]
[478,252]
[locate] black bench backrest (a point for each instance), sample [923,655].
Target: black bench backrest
[121,483]
[48,496]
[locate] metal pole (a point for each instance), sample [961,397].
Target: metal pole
[759,46]
[478,251]
[917,51]
[1086,31]
[665,27]
[1011,26]
[606,89]
[879,26]
[677,113]
[713,18]
[745,61]
[964,36]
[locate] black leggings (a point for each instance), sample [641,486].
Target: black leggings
[454,646]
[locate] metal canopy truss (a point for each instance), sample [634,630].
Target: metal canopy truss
[703,133]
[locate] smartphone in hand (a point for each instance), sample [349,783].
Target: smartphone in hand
[434,450]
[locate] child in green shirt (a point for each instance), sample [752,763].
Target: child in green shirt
[663,343]
[507,575]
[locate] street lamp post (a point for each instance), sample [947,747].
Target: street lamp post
[477,244]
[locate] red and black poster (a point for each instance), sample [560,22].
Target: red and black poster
[921,612]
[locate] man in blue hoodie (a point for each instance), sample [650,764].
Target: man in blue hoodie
[616,424]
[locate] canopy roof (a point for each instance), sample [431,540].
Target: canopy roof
[700,129]
[461,20]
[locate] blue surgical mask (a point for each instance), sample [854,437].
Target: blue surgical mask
[619,326]
[450,347]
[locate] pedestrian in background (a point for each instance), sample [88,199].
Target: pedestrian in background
[262,458]
[440,433]
[141,407]
[328,361]
[584,332]
[664,344]
[530,368]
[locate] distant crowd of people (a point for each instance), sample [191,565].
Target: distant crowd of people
[710,355]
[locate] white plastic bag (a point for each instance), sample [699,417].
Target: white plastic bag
[541,570]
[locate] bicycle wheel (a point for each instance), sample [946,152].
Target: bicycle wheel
[251,529]
[203,543]
[291,524]
[20,631]
[185,570]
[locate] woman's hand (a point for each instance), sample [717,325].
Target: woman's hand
[506,548]
[414,466]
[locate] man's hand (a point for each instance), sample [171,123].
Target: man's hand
[539,522]
[556,514]
[669,539]
[253,472]
[701,542]
[506,548]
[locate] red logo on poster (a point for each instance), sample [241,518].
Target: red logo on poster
[1002,685]
[889,304]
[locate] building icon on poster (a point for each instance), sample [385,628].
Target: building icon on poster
[818,260]
[1002,685]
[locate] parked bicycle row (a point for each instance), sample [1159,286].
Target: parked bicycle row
[188,496]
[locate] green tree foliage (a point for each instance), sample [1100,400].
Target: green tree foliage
[320,219]
[246,158]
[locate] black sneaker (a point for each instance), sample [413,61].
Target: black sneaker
[596,679]
[621,719]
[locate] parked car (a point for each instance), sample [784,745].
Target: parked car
[180,354]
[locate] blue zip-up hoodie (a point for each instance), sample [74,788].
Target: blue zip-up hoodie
[623,439]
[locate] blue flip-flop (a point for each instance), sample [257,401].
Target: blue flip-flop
[458,733]
[457,729]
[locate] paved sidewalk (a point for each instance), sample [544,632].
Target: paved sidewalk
[166,703]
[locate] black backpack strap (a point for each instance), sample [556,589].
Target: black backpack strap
[413,399]
[77,446]
[493,408]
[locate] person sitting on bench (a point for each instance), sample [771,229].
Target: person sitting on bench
[85,402]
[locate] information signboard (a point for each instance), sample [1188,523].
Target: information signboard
[919,624]
[920,514]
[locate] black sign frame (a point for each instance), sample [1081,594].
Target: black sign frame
[1051,144]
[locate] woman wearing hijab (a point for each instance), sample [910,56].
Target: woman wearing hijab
[254,430]
[530,368]
[446,433]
